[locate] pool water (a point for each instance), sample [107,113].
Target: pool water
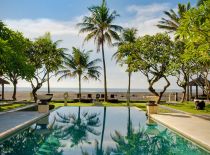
[98,131]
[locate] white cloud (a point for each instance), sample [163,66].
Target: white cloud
[145,11]
[38,27]
[146,17]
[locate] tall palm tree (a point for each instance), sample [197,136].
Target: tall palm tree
[122,57]
[58,57]
[172,23]
[99,26]
[79,65]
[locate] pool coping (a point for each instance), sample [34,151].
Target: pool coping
[182,134]
[6,134]
[186,136]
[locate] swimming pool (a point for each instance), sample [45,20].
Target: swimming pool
[97,131]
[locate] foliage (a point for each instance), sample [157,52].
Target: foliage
[124,57]
[99,26]
[47,58]
[152,57]
[194,30]
[128,37]
[13,47]
[79,65]
[173,22]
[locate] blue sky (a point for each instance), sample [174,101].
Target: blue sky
[35,17]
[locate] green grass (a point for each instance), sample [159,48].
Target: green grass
[10,107]
[107,104]
[189,107]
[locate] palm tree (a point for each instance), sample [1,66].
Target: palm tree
[58,56]
[122,57]
[99,26]
[172,23]
[79,65]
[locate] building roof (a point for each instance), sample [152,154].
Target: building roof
[2,81]
[197,82]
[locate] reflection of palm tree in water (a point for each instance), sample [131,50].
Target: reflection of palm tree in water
[76,128]
[99,148]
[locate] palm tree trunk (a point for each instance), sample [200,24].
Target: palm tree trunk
[79,88]
[103,129]
[129,89]
[104,65]
[48,83]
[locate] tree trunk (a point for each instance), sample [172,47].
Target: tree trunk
[79,88]
[103,129]
[129,89]
[35,89]
[14,90]
[188,90]
[48,83]
[104,65]
[184,94]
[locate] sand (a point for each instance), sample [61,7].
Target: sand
[119,95]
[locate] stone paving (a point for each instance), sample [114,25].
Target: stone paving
[13,121]
[194,128]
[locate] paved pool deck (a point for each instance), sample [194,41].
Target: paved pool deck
[12,122]
[194,128]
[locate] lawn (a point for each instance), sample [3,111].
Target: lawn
[189,107]
[9,107]
[108,104]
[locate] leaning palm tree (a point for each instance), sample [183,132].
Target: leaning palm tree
[79,65]
[99,26]
[123,57]
[172,23]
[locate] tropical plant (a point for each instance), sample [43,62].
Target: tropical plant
[200,2]
[14,61]
[47,58]
[152,57]
[194,30]
[76,127]
[79,65]
[123,57]
[172,23]
[99,26]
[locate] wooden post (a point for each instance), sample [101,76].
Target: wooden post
[176,96]
[196,92]
[2,91]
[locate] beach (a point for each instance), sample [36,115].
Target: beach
[59,95]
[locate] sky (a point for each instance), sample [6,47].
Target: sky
[59,17]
